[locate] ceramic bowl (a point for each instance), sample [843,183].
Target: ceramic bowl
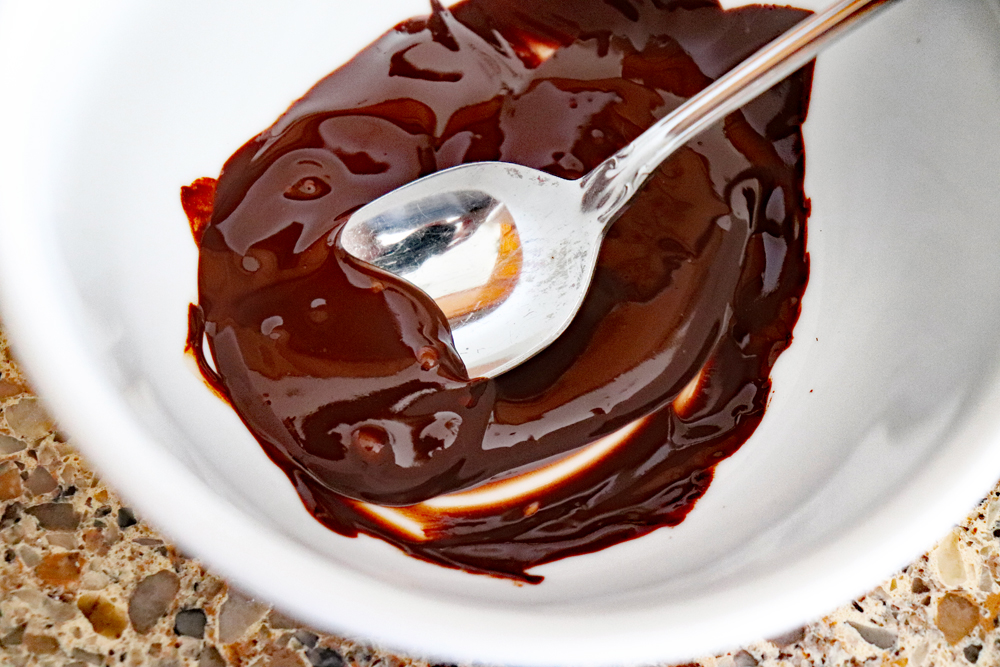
[883,427]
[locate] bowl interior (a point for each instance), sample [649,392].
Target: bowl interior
[879,410]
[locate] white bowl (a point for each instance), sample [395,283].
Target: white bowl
[884,424]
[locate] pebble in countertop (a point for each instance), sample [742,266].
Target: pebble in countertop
[85,582]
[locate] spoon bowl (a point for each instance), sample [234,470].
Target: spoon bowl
[509,265]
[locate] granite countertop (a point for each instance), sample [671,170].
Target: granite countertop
[85,581]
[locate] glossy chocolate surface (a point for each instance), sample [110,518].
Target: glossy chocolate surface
[347,375]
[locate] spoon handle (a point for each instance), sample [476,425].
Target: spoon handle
[609,186]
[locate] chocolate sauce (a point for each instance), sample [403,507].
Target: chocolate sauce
[348,376]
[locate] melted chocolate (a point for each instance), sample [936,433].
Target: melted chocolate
[348,376]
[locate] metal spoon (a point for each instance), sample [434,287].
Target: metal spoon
[508,252]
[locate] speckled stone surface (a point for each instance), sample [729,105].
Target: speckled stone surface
[84,581]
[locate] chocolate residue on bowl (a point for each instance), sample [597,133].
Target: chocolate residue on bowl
[347,375]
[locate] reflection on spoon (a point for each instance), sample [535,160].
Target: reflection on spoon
[461,248]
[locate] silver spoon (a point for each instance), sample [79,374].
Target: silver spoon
[508,252]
